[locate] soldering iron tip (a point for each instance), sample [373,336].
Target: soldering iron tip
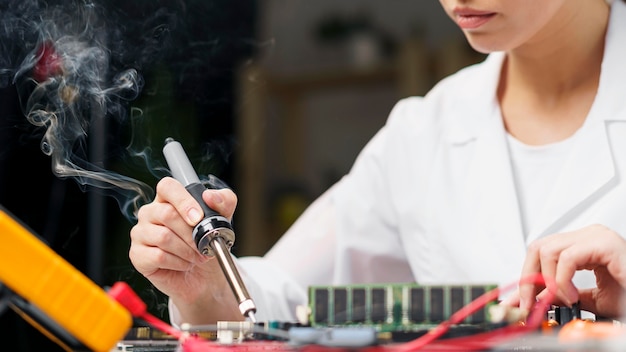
[251,316]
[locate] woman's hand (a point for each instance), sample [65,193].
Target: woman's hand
[162,249]
[559,256]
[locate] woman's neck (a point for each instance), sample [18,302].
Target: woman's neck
[548,84]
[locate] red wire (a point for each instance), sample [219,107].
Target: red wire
[161,325]
[125,295]
[479,341]
[483,340]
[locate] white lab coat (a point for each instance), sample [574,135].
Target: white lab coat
[432,198]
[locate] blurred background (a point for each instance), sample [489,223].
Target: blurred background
[274,97]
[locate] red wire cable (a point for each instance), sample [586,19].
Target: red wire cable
[161,325]
[124,294]
[484,340]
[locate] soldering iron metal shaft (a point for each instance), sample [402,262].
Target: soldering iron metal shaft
[214,235]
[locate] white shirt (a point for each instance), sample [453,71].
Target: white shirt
[432,197]
[535,172]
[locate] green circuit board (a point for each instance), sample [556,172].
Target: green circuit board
[393,307]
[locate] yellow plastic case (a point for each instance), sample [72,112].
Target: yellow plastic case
[35,272]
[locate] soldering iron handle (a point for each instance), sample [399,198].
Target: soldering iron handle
[182,170]
[214,234]
[196,190]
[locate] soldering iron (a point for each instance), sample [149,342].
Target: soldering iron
[214,235]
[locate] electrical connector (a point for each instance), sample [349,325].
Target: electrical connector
[124,294]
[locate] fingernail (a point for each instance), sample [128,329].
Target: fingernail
[572,296]
[194,215]
[216,197]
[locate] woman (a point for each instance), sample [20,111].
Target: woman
[454,187]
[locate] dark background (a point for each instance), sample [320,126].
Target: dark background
[187,51]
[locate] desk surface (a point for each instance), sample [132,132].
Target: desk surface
[529,342]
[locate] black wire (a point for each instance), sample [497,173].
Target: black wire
[4,298]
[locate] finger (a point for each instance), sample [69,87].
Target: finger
[608,298]
[555,300]
[161,226]
[549,252]
[587,299]
[149,260]
[162,237]
[616,260]
[591,247]
[570,260]
[531,266]
[223,201]
[157,217]
[171,191]
[559,257]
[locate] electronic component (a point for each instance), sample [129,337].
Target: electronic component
[213,235]
[580,330]
[334,337]
[562,315]
[473,326]
[393,307]
[51,288]
[273,330]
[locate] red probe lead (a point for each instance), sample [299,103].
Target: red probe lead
[125,295]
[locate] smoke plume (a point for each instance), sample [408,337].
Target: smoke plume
[79,66]
[58,57]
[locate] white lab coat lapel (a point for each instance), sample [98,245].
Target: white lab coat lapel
[585,177]
[590,170]
[493,210]
[491,192]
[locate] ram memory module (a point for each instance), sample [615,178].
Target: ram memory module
[394,307]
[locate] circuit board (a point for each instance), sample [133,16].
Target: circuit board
[393,307]
[381,329]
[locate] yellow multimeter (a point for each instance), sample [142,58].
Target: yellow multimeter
[56,289]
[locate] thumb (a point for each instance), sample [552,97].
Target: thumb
[223,201]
